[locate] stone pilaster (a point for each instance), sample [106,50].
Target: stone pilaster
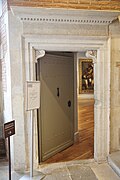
[101,106]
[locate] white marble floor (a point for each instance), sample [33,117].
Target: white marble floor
[74,170]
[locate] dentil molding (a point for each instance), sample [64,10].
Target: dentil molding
[28,14]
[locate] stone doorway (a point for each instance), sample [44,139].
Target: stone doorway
[83,147]
[97,108]
[59,33]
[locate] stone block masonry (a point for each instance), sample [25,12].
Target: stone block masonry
[3,83]
[3,43]
[69,4]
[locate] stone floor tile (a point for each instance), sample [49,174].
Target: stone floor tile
[81,172]
[16,176]
[56,177]
[58,173]
[64,171]
[36,176]
[27,177]
[4,173]
[105,172]
[81,162]
[48,168]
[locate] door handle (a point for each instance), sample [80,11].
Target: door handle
[69,103]
[58,92]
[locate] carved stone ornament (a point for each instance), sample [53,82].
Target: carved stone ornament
[92,54]
[39,54]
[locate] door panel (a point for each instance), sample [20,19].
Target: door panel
[56,114]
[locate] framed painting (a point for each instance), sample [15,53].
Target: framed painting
[86,76]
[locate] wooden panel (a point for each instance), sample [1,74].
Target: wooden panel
[84,148]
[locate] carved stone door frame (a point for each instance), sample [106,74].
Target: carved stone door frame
[101,78]
[58,30]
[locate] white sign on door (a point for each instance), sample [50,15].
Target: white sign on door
[33,95]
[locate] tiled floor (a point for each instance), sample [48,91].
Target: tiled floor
[74,170]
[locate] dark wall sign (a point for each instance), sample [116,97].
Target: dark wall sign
[9,128]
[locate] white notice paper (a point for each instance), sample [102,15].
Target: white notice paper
[33,95]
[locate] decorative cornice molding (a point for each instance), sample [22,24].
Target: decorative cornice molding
[80,20]
[43,15]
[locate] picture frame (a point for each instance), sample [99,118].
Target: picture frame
[86,76]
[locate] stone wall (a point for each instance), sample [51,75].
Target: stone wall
[16,75]
[3,49]
[115,87]
[3,75]
[3,83]
[71,4]
[1,100]
[27,35]
[3,43]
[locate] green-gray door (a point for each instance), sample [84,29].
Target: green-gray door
[56,113]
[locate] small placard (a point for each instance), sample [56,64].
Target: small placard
[33,95]
[9,128]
